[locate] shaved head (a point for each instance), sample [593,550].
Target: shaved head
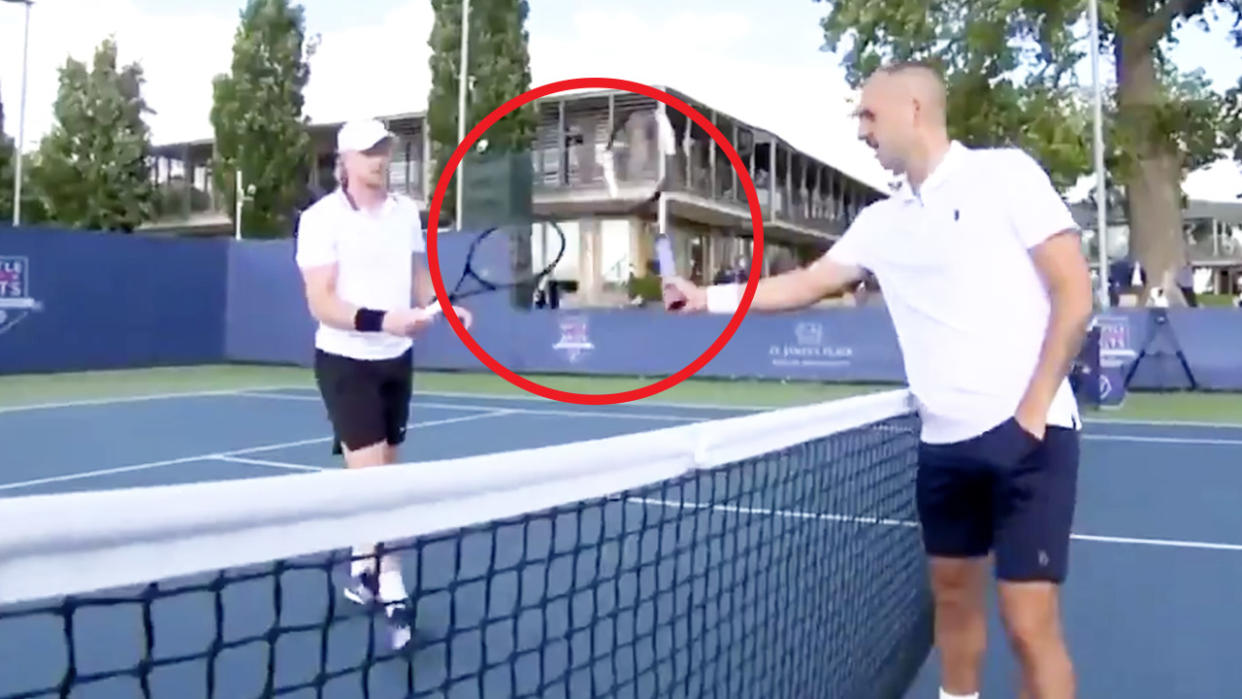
[902,112]
[918,82]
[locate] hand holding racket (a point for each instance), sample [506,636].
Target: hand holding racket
[692,298]
[433,309]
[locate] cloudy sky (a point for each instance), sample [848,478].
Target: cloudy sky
[762,66]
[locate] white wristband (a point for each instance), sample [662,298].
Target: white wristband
[724,298]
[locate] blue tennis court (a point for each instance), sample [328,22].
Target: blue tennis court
[1152,606]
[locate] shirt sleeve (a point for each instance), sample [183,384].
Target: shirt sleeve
[1036,208]
[419,241]
[316,245]
[854,249]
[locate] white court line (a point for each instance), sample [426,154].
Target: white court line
[265,462]
[1165,423]
[762,408]
[216,455]
[649,402]
[640,416]
[1162,440]
[515,411]
[1166,543]
[138,398]
[784,514]
[794,514]
[525,397]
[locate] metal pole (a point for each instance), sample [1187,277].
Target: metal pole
[1101,193]
[237,216]
[461,97]
[21,125]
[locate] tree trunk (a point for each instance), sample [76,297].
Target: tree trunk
[1153,177]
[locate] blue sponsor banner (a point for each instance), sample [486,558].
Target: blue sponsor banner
[78,300]
[857,345]
[1117,353]
[74,300]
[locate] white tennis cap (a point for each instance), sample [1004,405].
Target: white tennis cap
[360,135]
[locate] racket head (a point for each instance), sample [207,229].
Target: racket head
[610,155]
[492,260]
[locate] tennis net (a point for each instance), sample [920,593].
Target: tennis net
[769,555]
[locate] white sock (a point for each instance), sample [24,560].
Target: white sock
[391,586]
[363,560]
[946,695]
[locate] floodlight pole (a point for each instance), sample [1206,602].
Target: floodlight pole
[1101,193]
[21,118]
[461,99]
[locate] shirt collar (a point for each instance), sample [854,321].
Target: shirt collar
[949,163]
[352,206]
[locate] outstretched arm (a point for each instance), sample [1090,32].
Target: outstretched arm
[796,289]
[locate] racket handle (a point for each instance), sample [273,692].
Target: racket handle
[673,299]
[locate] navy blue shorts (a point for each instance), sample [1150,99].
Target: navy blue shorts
[1004,492]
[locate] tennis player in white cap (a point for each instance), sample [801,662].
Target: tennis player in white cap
[362,255]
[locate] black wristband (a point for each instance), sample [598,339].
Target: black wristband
[369,320]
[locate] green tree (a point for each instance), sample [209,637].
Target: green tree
[258,120]
[1012,71]
[92,169]
[7,171]
[498,70]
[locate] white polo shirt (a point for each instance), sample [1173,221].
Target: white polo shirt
[965,297]
[373,252]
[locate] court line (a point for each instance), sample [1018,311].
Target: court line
[857,519]
[1165,423]
[516,411]
[717,406]
[1164,543]
[1204,441]
[216,455]
[139,398]
[266,463]
[529,398]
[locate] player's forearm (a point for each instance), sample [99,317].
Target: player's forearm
[1067,326]
[788,291]
[330,310]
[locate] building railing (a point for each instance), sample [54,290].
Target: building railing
[805,201]
[579,168]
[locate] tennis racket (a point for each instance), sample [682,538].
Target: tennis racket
[491,264]
[665,260]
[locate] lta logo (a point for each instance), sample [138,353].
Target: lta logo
[16,301]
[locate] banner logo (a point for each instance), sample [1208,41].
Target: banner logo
[1114,334]
[16,301]
[575,340]
[810,348]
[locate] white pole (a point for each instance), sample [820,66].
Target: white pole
[238,206]
[461,97]
[21,125]
[1101,194]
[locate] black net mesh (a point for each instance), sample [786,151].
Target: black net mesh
[798,573]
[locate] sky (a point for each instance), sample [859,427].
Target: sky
[758,62]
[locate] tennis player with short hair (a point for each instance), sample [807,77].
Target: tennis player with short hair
[979,262]
[361,252]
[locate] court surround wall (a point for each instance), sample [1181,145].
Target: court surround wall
[106,301]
